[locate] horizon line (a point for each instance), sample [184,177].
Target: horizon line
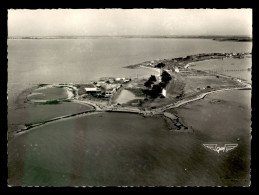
[173,36]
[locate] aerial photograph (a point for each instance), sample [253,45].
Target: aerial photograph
[129,97]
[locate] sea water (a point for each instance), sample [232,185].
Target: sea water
[125,149]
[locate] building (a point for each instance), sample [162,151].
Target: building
[176,69]
[100,82]
[159,79]
[125,80]
[90,88]
[109,92]
[112,86]
[111,80]
[164,92]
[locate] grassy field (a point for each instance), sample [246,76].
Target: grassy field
[189,84]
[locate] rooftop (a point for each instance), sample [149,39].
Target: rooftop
[89,86]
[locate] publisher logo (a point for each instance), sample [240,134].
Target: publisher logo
[218,149]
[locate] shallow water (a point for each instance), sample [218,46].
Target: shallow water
[37,112]
[127,149]
[238,68]
[226,113]
[53,93]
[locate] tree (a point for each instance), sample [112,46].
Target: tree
[156,90]
[162,84]
[146,92]
[148,84]
[152,78]
[160,65]
[166,77]
[150,81]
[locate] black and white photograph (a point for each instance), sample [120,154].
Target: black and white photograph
[134,97]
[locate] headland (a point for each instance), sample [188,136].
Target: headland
[175,84]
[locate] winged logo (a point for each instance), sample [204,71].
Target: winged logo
[216,148]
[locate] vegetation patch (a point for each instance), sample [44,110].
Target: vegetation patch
[77,86]
[52,102]
[60,86]
[74,92]
[154,89]
[66,100]
[42,85]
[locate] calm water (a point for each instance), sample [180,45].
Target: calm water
[49,94]
[228,66]
[224,113]
[125,149]
[82,60]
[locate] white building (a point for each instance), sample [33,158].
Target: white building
[92,89]
[176,69]
[159,78]
[111,80]
[164,92]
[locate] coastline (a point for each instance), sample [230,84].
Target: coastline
[151,68]
[198,97]
[149,113]
[100,107]
[57,119]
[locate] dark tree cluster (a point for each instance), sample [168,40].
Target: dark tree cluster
[154,92]
[150,81]
[156,89]
[160,65]
[162,84]
[166,77]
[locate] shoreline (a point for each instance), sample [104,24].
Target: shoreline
[151,68]
[152,112]
[27,128]
[72,94]
[199,97]
[181,62]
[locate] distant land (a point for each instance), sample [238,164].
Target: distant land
[213,37]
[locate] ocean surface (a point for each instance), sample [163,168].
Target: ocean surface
[125,149]
[115,149]
[34,61]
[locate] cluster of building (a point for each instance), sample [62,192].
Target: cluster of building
[152,63]
[105,87]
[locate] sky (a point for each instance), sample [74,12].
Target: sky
[118,22]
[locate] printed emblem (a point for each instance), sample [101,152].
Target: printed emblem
[216,148]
